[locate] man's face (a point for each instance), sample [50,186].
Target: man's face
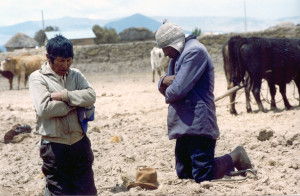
[170,52]
[61,65]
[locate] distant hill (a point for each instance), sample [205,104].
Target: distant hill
[31,27]
[136,20]
[205,23]
[219,24]
[64,24]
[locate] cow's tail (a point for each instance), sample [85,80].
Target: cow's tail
[240,66]
[231,52]
[234,45]
[226,64]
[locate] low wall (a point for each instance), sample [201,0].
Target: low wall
[135,56]
[114,58]
[105,58]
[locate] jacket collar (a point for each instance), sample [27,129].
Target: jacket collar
[47,70]
[190,37]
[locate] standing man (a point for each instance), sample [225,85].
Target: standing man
[57,91]
[188,89]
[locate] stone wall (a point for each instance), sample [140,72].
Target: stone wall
[105,58]
[135,56]
[114,58]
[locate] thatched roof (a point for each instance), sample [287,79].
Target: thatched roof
[20,40]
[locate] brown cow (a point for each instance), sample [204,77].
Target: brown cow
[32,63]
[22,66]
[11,64]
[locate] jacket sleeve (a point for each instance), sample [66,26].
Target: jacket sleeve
[83,96]
[161,87]
[41,99]
[191,69]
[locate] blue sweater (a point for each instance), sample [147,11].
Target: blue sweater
[190,96]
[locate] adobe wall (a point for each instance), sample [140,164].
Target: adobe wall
[114,58]
[105,58]
[135,56]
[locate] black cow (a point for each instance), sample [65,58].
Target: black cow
[9,76]
[276,60]
[233,82]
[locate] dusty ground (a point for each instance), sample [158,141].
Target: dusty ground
[130,107]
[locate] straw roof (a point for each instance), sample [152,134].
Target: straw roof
[20,40]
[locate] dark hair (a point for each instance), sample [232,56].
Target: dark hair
[59,46]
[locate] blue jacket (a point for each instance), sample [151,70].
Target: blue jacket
[190,96]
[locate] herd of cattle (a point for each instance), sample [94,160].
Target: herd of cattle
[247,61]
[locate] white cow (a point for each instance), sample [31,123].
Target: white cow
[159,62]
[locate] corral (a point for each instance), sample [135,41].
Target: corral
[130,108]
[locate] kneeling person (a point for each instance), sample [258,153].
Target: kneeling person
[188,89]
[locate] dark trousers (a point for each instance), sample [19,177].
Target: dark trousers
[195,159]
[68,168]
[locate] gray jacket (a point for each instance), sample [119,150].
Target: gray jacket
[57,121]
[192,108]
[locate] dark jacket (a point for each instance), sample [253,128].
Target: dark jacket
[192,108]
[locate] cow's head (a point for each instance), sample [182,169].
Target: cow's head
[8,64]
[2,65]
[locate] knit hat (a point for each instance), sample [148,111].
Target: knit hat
[170,34]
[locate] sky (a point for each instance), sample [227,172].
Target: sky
[17,11]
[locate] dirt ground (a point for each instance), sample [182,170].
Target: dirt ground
[130,108]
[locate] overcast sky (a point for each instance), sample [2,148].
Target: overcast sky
[16,11]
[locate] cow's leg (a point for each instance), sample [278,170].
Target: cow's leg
[23,77]
[273,93]
[232,103]
[256,94]
[26,79]
[297,82]
[247,92]
[10,80]
[153,75]
[19,80]
[159,72]
[282,88]
[232,100]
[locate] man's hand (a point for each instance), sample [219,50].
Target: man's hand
[56,96]
[167,81]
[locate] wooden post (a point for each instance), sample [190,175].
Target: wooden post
[228,92]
